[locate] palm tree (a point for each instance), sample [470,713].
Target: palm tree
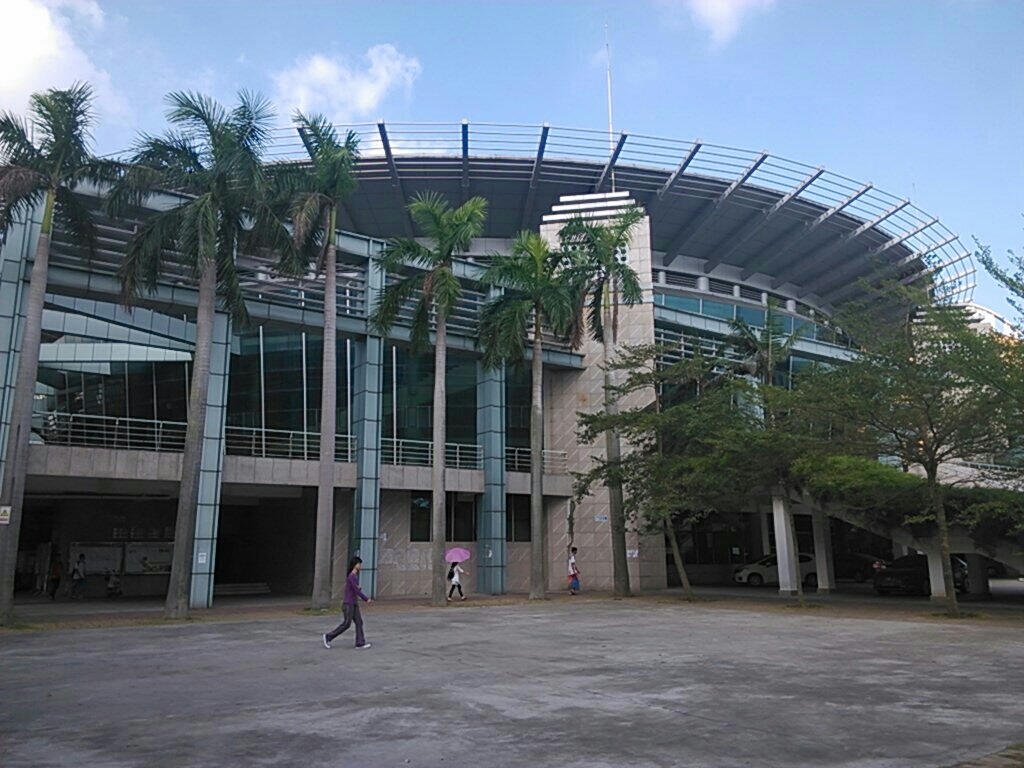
[435,291]
[535,291]
[40,171]
[314,213]
[210,161]
[602,282]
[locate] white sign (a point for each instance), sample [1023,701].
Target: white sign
[633,553]
[142,557]
[600,518]
[202,558]
[5,515]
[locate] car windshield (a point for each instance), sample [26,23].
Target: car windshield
[770,560]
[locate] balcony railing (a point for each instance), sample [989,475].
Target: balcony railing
[114,432]
[420,453]
[518,460]
[283,444]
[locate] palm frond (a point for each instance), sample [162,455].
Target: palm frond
[308,211]
[429,210]
[143,259]
[63,122]
[228,288]
[445,291]
[504,323]
[196,113]
[15,146]
[467,223]
[77,218]
[403,252]
[391,300]
[251,120]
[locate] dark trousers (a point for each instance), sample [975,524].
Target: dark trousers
[350,615]
[454,587]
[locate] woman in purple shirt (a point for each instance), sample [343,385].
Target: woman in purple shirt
[350,607]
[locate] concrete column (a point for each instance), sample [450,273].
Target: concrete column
[935,574]
[766,540]
[490,435]
[899,550]
[977,575]
[785,547]
[823,556]
[368,393]
[204,549]
[14,266]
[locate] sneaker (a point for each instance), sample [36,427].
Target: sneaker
[463,598]
[327,643]
[364,645]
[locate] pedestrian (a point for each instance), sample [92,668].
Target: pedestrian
[350,607]
[574,573]
[78,575]
[454,574]
[55,574]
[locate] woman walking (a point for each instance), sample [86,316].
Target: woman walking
[454,574]
[350,607]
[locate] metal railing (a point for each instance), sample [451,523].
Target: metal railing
[114,432]
[420,453]
[518,460]
[283,444]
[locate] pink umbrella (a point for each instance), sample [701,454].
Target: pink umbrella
[457,555]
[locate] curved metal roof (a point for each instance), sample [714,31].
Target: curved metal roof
[724,211]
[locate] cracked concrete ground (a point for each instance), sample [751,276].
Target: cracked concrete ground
[598,683]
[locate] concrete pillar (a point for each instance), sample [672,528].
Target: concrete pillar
[977,575]
[14,266]
[785,547]
[823,557]
[490,435]
[899,550]
[935,574]
[368,392]
[766,541]
[204,549]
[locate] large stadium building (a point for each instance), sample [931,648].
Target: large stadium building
[727,233]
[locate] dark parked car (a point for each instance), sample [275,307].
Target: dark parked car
[909,574]
[857,566]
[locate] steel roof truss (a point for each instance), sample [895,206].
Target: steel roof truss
[607,171]
[531,192]
[396,179]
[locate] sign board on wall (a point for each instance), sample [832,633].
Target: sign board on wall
[5,515]
[99,558]
[149,557]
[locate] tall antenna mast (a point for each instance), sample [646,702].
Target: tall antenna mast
[608,61]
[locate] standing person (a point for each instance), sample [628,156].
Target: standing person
[454,574]
[78,574]
[574,573]
[350,606]
[55,574]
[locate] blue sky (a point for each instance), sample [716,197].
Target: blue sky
[923,98]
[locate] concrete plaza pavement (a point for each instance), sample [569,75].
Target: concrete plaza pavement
[590,683]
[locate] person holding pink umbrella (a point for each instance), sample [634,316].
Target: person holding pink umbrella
[455,556]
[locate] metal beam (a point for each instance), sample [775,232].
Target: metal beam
[846,290]
[396,180]
[774,252]
[829,280]
[465,160]
[611,162]
[679,171]
[697,223]
[759,221]
[531,192]
[822,254]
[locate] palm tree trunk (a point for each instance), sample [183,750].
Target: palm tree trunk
[677,558]
[177,604]
[328,425]
[538,538]
[438,507]
[938,509]
[617,507]
[13,491]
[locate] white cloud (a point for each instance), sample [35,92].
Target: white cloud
[41,52]
[720,18]
[343,92]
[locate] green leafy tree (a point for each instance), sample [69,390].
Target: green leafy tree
[675,473]
[1011,281]
[905,396]
[211,162]
[433,290]
[316,194]
[602,283]
[43,160]
[536,297]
